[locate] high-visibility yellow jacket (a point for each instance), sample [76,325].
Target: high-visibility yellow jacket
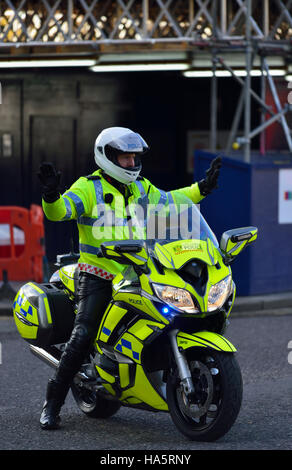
[90,200]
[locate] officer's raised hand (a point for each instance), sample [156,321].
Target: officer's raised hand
[50,181]
[207,185]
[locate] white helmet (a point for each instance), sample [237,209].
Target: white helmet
[115,141]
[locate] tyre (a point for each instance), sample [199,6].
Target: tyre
[213,409]
[93,404]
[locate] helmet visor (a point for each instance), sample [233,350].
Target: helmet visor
[129,143]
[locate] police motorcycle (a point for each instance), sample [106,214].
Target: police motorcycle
[160,344]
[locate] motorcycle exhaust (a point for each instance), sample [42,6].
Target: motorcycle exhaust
[45,356]
[51,357]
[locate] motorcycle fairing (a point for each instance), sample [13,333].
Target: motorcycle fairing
[123,333]
[110,322]
[119,317]
[175,254]
[131,386]
[141,297]
[143,392]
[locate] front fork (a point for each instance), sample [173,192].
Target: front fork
[182,365]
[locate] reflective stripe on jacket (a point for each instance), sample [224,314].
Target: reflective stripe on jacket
[86,202]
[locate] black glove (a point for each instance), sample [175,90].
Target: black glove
[50,181]
[207,185]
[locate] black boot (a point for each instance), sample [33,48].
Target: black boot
[56,394]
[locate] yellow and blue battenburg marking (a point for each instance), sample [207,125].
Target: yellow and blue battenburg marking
[19,301]
[123,343]
[106,331]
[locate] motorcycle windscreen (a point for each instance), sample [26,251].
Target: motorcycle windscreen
[182,234]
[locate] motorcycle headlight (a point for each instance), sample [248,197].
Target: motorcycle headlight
[219,293]
[177,298]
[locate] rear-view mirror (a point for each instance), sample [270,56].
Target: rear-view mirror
[234,241]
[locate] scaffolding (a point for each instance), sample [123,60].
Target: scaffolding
[252,30]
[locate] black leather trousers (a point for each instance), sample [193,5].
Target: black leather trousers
[94,295]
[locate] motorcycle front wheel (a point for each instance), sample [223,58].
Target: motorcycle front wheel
[213,409]
[93,404]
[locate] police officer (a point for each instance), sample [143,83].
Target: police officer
[117,181]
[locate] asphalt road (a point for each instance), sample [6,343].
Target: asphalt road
[264,422]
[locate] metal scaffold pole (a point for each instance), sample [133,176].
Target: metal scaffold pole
[247,98]
[213,110]
[214,86]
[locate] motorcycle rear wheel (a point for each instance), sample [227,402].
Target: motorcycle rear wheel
[93,404]
[218,394]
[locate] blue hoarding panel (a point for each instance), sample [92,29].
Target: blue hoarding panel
[248,194]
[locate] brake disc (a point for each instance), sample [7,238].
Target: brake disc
[203,383]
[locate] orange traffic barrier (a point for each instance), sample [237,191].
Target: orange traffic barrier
[21,243]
